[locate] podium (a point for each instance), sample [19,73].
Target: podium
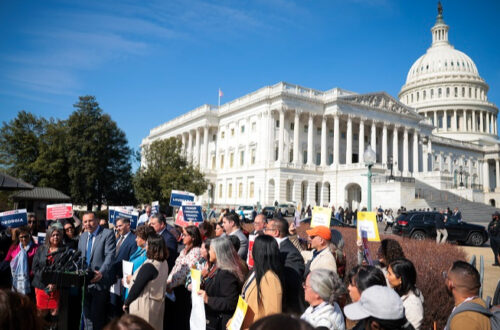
[64,282]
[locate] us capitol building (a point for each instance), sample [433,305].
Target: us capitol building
[291,143]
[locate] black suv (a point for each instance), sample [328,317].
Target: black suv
[422,225]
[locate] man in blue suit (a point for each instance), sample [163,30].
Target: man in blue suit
[125,246]
[98,245]
[160,226]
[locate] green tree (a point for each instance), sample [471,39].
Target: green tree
[164,169]
[19,146]
[99,157]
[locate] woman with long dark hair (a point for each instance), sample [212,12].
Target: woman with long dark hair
[402,277]
[263,289]
[221,284]
[361,278]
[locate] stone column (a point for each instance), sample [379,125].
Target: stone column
[384,145]
[310,130]
[406,158]
[361,140]
[455,120]
[496,127]
[296,130]
[336,140]
[497,174]
[348,152]
[184,147]
[323,141]
[190,147]
[281,136]
[464,127]
[415,152]
[481,122]
[425,158]
[196,157]
[445,121]
[395,150]
[436,124]
[474,128]
[204,158]
[373,140]
[486,176]
[441,163]
[488,123]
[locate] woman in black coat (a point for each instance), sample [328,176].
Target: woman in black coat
[222,284]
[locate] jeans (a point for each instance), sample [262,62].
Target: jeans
[442,232]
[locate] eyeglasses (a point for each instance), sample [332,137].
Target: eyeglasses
[24,236]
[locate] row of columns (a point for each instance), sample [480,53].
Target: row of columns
[487,121]
[196,154]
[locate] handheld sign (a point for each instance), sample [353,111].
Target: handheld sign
[321,216]
[155,207]
[189,213]
[120,212]
[239,315]
[251,241]
[195,279]
[177,197]
[14,218]
[59,211]
[364,241]
[367,221]
[40,238]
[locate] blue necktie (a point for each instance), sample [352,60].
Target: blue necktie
[89,249]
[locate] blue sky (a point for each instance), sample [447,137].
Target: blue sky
[150,61]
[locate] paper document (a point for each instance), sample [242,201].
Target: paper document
[127,267]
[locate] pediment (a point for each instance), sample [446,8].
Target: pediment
[381,101]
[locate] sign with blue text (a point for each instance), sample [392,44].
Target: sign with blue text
[192,213]
[177,197]
[14,218]
[116,212]
[155,207]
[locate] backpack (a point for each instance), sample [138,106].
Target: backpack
[493,314]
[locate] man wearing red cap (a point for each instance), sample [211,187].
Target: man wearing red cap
[322,256]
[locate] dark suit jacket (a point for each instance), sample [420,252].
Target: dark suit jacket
[222,291]
[128,247]
[102,256]
[171,244]
[39,263]
[293,298]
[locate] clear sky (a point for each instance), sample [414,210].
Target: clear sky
[152,60]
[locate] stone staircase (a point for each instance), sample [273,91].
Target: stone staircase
[430,197]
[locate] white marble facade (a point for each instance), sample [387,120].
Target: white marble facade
[289,143]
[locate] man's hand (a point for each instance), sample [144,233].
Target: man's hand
[292,230]
[97,277]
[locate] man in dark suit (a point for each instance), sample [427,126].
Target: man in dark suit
[125,247]
[293,264]
[98,246]
[160,226]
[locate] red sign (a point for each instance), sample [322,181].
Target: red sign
[59,211]
[251,240]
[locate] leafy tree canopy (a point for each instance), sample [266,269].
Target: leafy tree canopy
[164,169]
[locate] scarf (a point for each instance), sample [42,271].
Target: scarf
[20,271]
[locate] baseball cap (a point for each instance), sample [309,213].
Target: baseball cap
[320,231]
[377,301]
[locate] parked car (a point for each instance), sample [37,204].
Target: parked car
[287,209]
[247,211]
[269,211]
[334,222]
[422,225]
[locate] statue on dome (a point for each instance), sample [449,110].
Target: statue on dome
[440,9]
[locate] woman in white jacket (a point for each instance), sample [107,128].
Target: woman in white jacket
[321,289]
[402,277]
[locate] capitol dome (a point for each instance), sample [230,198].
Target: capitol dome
[444,86]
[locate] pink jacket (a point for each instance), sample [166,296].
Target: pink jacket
[14,250]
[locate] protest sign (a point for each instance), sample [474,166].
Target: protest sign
[14,218]
[239,314]
[197,319]
[40,238]
[251,240]
[321,216]
[189,213]
[367,221]
[59,211]
[177,197]
[364,241]
[116,212]
[155,207]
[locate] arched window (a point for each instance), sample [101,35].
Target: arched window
[439,92]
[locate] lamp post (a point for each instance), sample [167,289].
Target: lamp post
[461,172]
[369,158]
[391,165]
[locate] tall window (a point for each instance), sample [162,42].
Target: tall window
[277,123]
[242,128]
[222,161]
[231,160]
[252,159]
[254,126]
[251,190]
[213,162]
[220,190]
[240,190]
[276,151]
[439,92]
[232,131]
[242,157]
[222,134]
[304,158]
[230,191]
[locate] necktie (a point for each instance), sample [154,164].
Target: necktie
[89,249]
[120,241]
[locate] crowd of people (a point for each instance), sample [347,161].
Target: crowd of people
[285,281]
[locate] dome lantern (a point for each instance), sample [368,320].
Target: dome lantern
[440,29]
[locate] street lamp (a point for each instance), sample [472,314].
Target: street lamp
[461,172]
[391,165]
[370,158]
